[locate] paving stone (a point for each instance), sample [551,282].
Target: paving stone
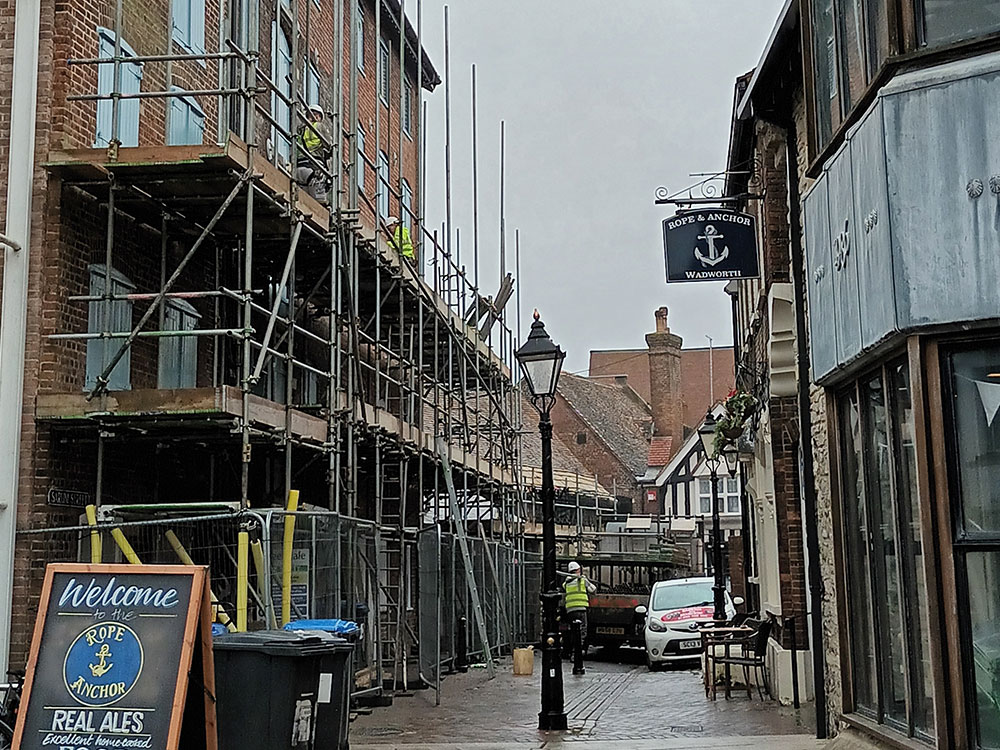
[617,704]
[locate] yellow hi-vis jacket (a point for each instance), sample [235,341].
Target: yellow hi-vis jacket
[576,593]
[311,141]
[401,241]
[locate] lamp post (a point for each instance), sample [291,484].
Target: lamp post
[541,362]
[707,434]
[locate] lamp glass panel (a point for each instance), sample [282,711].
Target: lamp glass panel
[539,373]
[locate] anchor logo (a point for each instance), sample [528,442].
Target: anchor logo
[715,256]
[103,666]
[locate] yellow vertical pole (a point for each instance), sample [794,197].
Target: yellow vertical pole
[96,550]
[185,558]
[286,558]
[242,579]
[125,547]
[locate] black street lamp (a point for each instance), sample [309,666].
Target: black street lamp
[707,434]
[541,362]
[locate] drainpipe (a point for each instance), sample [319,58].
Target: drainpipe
[20,173]
[805,430]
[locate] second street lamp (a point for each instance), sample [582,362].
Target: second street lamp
[707,434]
[541,362]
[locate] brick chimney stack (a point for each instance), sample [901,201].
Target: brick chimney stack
[665,380]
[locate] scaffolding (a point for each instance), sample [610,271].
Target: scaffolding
[324,360]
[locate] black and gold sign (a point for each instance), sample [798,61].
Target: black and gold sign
[110,659]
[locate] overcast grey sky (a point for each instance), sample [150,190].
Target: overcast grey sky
[603,101]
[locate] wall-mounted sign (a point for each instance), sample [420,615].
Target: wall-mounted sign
[713,244]
[113,650]
[68,498]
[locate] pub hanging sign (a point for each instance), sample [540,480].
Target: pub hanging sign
[714,244]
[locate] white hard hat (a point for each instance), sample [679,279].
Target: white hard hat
[316,109]
[391,220]
[574,566]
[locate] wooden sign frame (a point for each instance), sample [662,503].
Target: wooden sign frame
[197,638]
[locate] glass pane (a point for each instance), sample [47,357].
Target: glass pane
[888,614]
[911,550]
[976,401]
[856,537]
[852,53]
[877,18]
[951,20]
[825,71]
[984,616]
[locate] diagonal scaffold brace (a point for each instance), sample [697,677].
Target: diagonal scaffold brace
[103,378]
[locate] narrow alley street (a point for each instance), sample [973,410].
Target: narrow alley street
[618,704]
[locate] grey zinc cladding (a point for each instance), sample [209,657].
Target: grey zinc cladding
[921,175]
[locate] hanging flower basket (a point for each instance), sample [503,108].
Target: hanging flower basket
[739,406]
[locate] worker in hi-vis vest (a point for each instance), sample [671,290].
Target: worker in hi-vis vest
[577,590]
[400,238]
[310,142]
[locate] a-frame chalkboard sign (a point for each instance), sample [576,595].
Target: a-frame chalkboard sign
[121,658]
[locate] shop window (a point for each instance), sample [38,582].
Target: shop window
[948,21]
[114,316]
[974,454]
[130,82]
[886,594]
[178,360]
[187,121]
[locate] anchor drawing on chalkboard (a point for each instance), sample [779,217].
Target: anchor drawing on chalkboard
[103,666]
[714,256]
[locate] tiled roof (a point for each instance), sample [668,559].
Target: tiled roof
[531,445]
[660,451]
[614,412]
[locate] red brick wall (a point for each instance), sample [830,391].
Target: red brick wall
[594,454]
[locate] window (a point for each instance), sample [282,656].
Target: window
[581,438]
[119,320]
[408,109]
[359,37]
[186,123]
[851,40]
[130,83]
[729,495]
[407,217]
[974,456]
[382,186]
[312,86]
[383,74]
[886,594]
[361,159]
[189,25]
[178,361]
[281,69]
[952,20]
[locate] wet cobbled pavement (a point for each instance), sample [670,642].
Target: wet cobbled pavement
[617,704]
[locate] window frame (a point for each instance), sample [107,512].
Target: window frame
[360,150]
[123,308]
[406,205]
[191,103]
[186,346]
[359,34]
[192,38]
[876,580]
[384,73]
[128,126]
[408,109]
[382,182]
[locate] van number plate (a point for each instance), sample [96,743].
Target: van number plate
[610,631]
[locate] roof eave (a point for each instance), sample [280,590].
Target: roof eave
[777,45]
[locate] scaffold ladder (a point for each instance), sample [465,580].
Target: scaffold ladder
[392,609]
[458,524]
